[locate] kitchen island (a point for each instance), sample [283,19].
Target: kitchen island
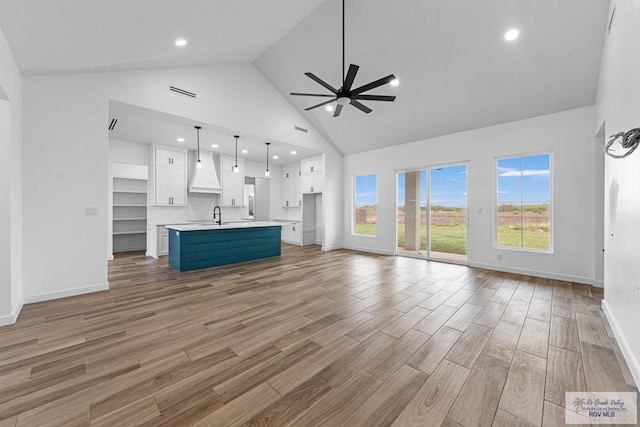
[195,246]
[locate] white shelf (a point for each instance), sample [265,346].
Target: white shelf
[131,191]
[130,195]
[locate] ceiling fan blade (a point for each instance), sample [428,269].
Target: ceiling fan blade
[338,110]
[351,76]
[320,105]
[373,85]
[312,94]
[360,106]
[374,97]
[321,82]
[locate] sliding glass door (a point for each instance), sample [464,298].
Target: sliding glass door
[432,213]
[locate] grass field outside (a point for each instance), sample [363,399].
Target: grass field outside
[528,228]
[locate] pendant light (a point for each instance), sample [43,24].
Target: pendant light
[199,163]
[266,173]
[235,168]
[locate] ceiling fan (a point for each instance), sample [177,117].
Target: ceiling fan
[347,95]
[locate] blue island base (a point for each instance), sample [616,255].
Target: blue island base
[192,250]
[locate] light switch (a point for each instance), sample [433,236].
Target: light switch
[91,211]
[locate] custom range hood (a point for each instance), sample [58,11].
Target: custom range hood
[205,178]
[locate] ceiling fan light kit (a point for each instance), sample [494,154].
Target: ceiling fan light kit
[346,95]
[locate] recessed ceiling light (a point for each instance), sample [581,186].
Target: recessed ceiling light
[394,82]
[180,139]
[181,42]
[294,152]
[511,35]
[214,145]
[329,107]
[245,151]
[275,157]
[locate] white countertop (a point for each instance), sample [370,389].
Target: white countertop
[205,226]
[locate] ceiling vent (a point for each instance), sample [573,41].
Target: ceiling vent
[301,129]
[112,125]
[182,91]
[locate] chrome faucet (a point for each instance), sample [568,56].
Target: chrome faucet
[219,221]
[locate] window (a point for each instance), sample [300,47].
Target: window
[523,217]
[365,205]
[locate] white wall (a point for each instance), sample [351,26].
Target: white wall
[564,134]
[618,107]
[10,185]
[66,141]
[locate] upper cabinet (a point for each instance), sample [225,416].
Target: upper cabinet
[232,183]
[170,177]
[292,185]
[312,175]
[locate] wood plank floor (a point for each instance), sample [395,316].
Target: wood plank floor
[311,338]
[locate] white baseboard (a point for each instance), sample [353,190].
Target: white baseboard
[11,318]
[631,359]
[373,251]
[534,273]
[331,248]
[30,299]
[110,257]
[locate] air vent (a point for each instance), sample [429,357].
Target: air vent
[613,14]
[301,129]
[112,125]
[182,91]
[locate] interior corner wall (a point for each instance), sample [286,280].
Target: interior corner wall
[564,134]
[10,185]
[332,198]
[618,108]
[66,141]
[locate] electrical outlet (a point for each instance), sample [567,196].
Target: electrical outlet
[479,210]
[91,211]
[499,257]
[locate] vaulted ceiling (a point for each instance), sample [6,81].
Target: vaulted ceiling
[455,68]
[57,36]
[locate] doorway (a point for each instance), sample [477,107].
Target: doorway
[257,196]
[432,213]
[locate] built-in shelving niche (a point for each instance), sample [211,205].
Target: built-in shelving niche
[130,210]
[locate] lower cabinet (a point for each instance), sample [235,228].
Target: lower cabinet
[292,233]
[163,240]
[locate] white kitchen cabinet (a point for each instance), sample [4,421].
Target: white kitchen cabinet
[163,240]
[170,177]
[291,186]
[313,182]
[312,179]
[232,183]
[311,164]
[292,233]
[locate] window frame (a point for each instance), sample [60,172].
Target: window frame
[353,204]
[548,152]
